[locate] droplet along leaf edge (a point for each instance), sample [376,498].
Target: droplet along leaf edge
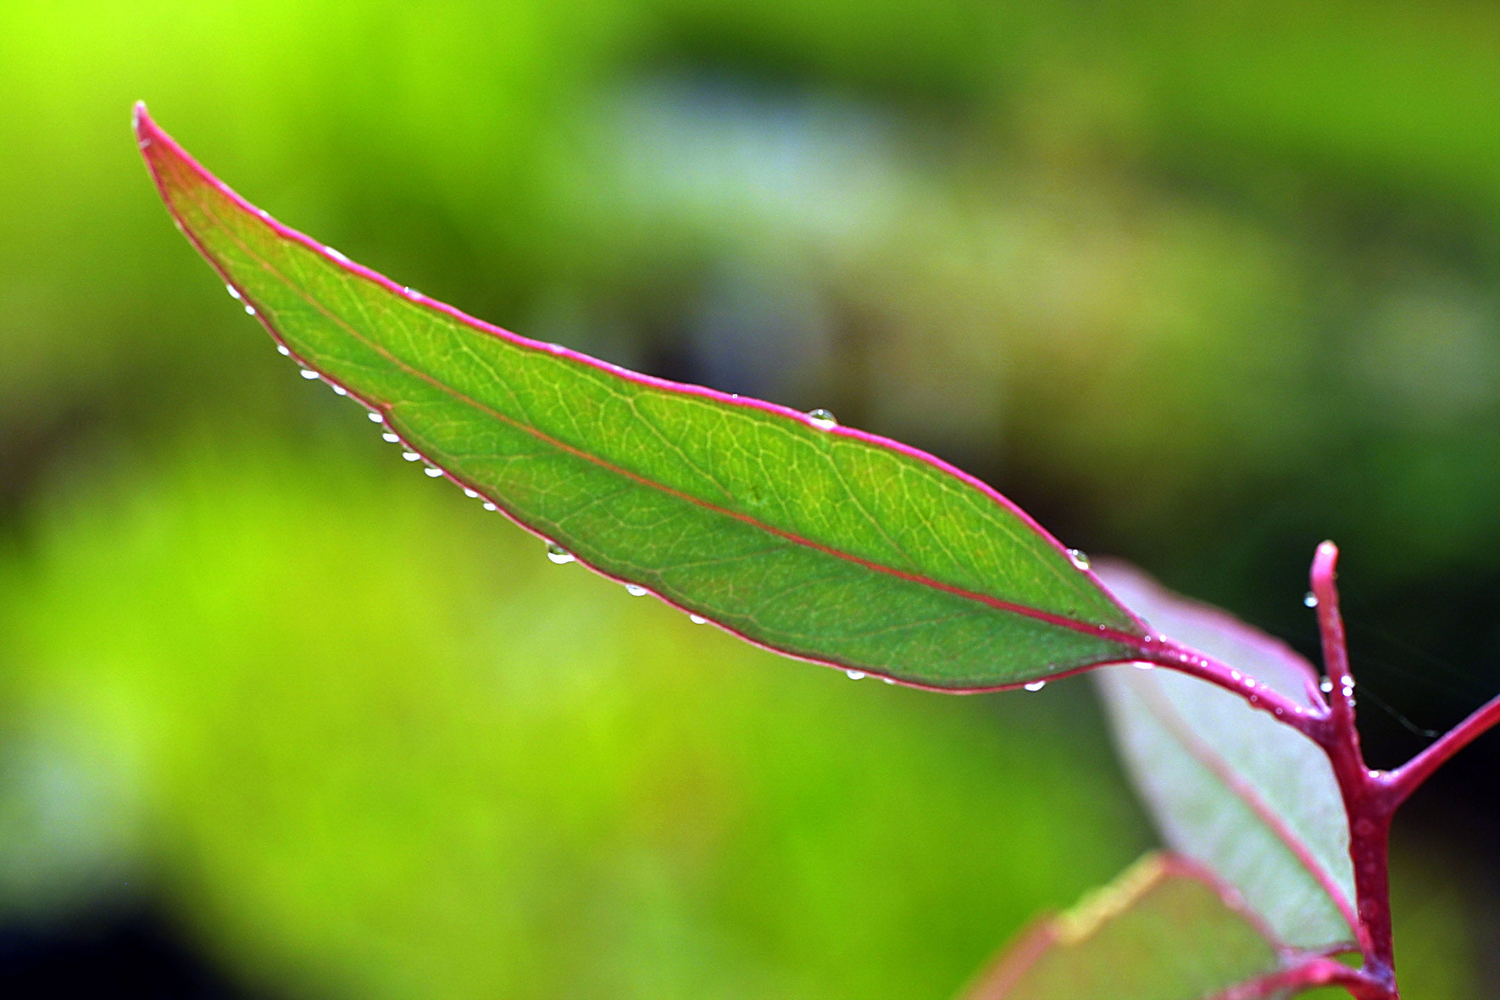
[1116,639]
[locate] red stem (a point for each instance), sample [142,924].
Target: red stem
[1306,973]
[1311,722]
[1406,779]
[1366,800]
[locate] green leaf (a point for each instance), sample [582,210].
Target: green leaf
[814,540]
[1164,930]
[1228,785]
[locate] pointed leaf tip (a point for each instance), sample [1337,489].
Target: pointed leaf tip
[815,540]
[140,120]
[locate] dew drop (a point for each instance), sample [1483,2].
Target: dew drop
[1311,600]
[1079,559]
[889,680]
[822,419]
[336,255]
[855,675]
[490,506]
[249,309]
[1143,666]
[234,293]
[389,437]
[1326,685]
[697,619]
[1234,675]
[340,390]
[309,374]
[376,417]
[470,494]
[432,472]
[1036,685]
[410,456]
[283,350]
[558,555]
[634,590]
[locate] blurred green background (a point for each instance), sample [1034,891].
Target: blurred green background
[1196,284]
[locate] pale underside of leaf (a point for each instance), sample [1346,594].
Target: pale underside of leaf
[1228,785]
[1165,930]
[821,542]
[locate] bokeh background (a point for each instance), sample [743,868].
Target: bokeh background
[1196,284]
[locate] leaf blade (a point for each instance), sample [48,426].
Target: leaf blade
[820,542]
[1164,930]
[1229,785]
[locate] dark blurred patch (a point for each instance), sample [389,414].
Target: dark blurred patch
[127,955]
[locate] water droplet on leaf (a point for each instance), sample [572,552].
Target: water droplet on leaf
[308,373]
[558,555]
[410,456]
[340,391]
[490,506]
[249,310]
[432,472]
[1311,600]
[389,437]
[283,350]
[470,494]
[822,419]
[1036,685]
[1326,685]
[697,619]
[635,590]
[1078,558]
[234,293]
[376,417]
[855,675]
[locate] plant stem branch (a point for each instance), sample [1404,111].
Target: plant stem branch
[1309,971]
[1401,782]
[1335,644]
[1367,801]
[1311,722]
